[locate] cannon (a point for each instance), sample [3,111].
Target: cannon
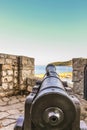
[50,107]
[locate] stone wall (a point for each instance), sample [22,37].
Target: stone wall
[14,71]
[78,65]
[26,71]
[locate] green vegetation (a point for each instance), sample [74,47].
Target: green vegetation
[64,63]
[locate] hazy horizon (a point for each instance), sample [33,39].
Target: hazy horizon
[48,30]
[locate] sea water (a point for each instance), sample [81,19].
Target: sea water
[40,69]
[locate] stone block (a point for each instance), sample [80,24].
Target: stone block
[26,67]
[14,62]
[8,61]
[78,87]
[9,72]
[3,115]
[21,81]
[31,61]
[15,80]
[15,68]
[34,81]
[29,81]
[4,73]
[24,60]
[22,87]
[5,86]
[6,67]
[7,79]
[15,86]
[2,55]
[5,99]
[26,73]
[78,68]
[29,89]
[10,85]
[12,57]
[2,60]
[2,103]
[32,72]
[77,62]
[9,92]
[15,73]
[2,94]
[77,76]
[1,88]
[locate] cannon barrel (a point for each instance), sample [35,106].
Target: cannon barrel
[51,79]
[50,107]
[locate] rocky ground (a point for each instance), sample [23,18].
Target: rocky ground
[12,107]
[83,104]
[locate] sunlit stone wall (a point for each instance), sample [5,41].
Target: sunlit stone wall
[14,72]
[78,75]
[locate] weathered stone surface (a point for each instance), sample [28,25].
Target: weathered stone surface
[15,80]
[10,112]
[2,103]
[9,72]
[32,71]
[26,73]
[2,56]
[6,67]
[79,62]
[5,99]
[13,98]
[15,86]
[31,62]
[10,85]
[22,87]
[6,122]
[2,94]
[4,73]
[9,127]
[9,92]
[8,61]
[5,86]
[13,101]
[7,79]
[78,75]
[12,57]
[26,67]
[29,81]
[78,87]
[1,61]
[3,115]
[15,71]
[23,60]
[29,89]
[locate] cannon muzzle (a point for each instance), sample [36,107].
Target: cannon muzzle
[53,116]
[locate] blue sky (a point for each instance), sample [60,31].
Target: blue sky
[48,30]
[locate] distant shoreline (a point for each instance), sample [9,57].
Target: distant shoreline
[61,75]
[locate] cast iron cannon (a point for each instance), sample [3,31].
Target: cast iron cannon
[50,107]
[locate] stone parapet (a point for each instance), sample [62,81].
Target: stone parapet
[14,70]
[78,65]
